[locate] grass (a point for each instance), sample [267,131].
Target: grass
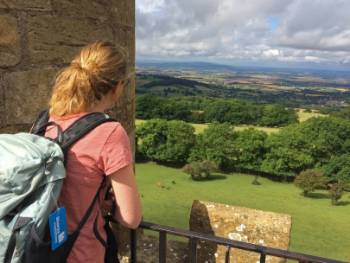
[317,227]
[199,128]
[303,116]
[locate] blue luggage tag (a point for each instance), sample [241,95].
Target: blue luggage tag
[58,227]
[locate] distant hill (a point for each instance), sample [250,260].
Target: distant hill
[165,85]
[206,66]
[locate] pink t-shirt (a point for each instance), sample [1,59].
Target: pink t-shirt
[101,152]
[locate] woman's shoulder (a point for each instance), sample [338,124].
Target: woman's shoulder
[111,131]
[110,126]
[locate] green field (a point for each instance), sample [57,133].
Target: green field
[303,116]
[317,227]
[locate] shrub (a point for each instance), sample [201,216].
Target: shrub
[200,170]
[336,191]
[310,180]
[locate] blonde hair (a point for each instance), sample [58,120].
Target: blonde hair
[91,75]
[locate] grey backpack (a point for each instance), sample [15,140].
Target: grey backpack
[31,177]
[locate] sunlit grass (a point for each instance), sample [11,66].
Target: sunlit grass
[199,128]
[302,114]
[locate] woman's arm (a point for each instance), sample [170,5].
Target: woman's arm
[128,203]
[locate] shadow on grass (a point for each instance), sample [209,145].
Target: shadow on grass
[211,178]
[318,195]
[343,203]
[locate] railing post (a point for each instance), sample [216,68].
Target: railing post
[162,246]
[262,258]
[227,256]
[133,246]
[193,250]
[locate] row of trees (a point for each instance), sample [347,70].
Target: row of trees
[201,110]
[319,143]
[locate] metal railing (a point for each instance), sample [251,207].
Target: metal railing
[194,237]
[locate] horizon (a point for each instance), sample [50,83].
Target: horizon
[287,67]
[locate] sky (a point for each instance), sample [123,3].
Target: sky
[309,33]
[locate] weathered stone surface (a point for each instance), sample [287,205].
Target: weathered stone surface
[9,41]
[99,10]
[238,223]
[42,5]
[2,101]
[26,93]
[125,36]
[56,40]
[15,128]
[123,12]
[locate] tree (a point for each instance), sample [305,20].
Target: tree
[306,145]
[148,107]
[175,109]
[338,168]
[287,153]
[166,141]
[277,115]
[343,113]
[216,144]
[310,180]
[232,111]
[250,144]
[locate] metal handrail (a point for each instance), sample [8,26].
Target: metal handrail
[195,236]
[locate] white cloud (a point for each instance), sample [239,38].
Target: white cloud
[303,30]
[271,53]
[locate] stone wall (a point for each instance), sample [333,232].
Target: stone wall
[241,224]
[39,37]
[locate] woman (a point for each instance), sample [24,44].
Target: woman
[93,82]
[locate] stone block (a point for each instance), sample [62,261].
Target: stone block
[55,40]
[26,94]
[238,223]
[10,54]
[40,5]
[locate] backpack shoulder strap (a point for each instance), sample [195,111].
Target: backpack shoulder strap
[83,126]
[40,122]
